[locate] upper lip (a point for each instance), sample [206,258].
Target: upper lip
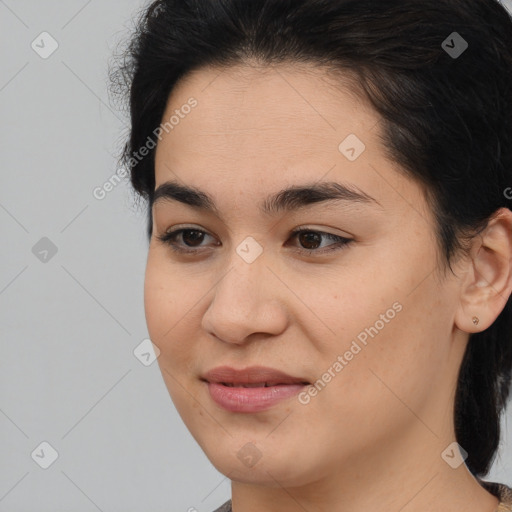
[251,375]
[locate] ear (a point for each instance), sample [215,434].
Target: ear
[487,283]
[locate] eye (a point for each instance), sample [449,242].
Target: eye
[192,239]
[309,237]
[194,236]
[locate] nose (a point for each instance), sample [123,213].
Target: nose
[248,299]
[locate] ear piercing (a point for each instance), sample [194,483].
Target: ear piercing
[475,320]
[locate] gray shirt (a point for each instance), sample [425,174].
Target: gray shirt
[224,508]
[501,491]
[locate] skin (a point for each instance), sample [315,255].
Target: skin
[372,439]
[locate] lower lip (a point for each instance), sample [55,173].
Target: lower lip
[251,399]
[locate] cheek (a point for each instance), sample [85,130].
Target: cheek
[392,342]
[396,369]
[172,299]
[162,292]
[156,301]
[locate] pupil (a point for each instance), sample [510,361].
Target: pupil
[309,238]
[198,237]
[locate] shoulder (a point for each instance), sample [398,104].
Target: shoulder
[505,497]
[502,492]
[226,507]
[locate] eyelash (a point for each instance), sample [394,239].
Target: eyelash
[169,237]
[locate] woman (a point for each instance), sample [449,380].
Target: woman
[330,263]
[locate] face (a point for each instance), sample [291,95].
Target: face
[351,304]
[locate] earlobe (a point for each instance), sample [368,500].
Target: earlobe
[487,284]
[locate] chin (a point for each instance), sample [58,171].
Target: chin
[279,469]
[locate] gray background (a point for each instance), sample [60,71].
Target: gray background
[72,320]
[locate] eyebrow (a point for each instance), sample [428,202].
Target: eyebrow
[286,200]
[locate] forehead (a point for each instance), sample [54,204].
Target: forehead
[268,128]
[288,112]
[258,103]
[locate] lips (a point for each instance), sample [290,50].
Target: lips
[251,377]
[226,387]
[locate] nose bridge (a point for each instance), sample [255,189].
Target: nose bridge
[244,300]
[247,270]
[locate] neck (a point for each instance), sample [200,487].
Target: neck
[405,477]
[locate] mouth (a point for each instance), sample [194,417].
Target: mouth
[259,384]
[251,390]
[251,377]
